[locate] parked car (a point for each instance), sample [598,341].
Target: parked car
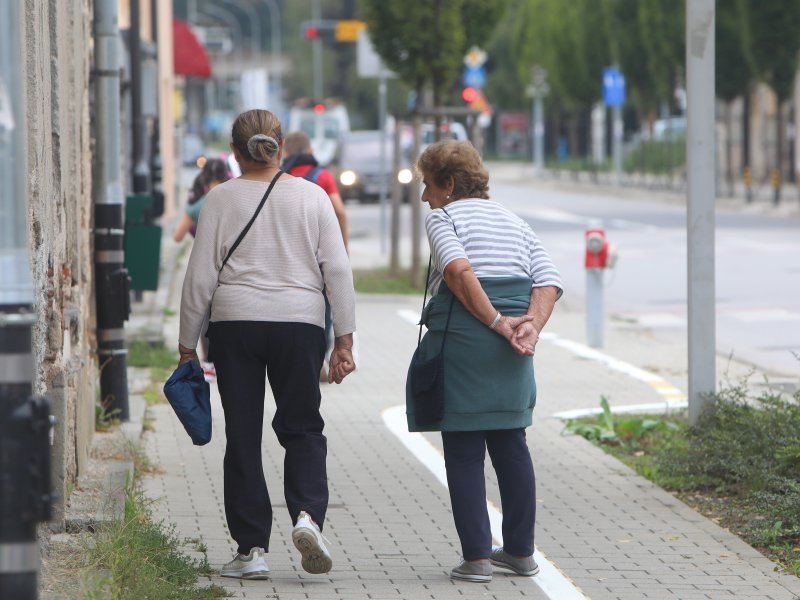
[359,172]
[452,130]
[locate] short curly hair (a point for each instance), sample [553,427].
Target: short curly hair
[459,160]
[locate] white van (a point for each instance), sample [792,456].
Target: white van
[325,125]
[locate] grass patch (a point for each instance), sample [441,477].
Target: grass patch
[144,354]
[379,281]
[739,465]
[138,557]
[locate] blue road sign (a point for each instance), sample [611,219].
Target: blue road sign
[474,77]
[613,87]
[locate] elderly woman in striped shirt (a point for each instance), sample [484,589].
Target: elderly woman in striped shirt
[493,288]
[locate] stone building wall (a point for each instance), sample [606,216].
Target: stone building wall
[58,36]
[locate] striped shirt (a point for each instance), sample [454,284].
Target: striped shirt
[495,241]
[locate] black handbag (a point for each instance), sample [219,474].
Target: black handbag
[427,374]
[238,241]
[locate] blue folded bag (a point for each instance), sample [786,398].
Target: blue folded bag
[190,397]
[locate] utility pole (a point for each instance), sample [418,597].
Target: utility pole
[700,203]
[141,170]
[538,90]
[382,161]
[416,210]
[111,278]
[316,49]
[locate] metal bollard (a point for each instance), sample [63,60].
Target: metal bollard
[25,487]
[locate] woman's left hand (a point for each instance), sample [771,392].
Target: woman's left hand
[187,355]
[507,326]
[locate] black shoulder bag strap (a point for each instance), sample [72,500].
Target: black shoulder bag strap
[425,296]
[252,220]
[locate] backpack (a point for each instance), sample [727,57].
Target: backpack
[313,174]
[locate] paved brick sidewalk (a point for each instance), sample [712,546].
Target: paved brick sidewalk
[611,532]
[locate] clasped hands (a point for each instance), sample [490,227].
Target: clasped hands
[520,333]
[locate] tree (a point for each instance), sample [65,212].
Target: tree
[775,30]
[734,66]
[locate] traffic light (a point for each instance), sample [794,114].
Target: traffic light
[469,94]
[311,32]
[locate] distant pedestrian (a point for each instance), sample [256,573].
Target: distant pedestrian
[267,319]
[299,160]
[493,288]
[214,172]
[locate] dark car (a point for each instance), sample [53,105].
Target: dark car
[359,173]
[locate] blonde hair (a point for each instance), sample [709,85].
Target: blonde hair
[459,160]
[297,142]
[256,134]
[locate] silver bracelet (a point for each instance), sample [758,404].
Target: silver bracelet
[496,321]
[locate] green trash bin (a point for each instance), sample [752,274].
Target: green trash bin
[142,244]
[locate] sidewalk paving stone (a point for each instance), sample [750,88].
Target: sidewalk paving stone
[614,534]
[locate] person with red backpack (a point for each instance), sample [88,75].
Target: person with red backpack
[299,161]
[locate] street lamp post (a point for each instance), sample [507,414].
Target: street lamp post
[538,89]
[275,45]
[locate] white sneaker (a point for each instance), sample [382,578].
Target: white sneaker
[250,566]
[309,540]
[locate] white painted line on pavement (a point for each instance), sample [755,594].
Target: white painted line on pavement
[409,315]
[673,397]
[549,579]
[655,407]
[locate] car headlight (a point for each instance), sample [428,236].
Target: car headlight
[347,178]
[405,176]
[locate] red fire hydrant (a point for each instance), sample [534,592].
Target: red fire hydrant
[600,255]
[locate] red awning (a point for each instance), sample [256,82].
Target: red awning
[190,57]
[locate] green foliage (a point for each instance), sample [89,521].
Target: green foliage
[142,558]
[379,281]
[775,37]
[734,60]
[743,454]
[659,157]
[145,354]
[424,41]
[623,429]
[105,419]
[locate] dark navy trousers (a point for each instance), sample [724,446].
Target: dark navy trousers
[464,453]
[290,355]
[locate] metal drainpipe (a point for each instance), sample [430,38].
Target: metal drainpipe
[111,277]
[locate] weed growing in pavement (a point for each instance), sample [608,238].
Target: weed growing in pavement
[105,419]
[145,354]
[138,557]
[739,465]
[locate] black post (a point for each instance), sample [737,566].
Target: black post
[141,170]
[156,164]
[25,492]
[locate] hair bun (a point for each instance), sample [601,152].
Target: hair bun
[265,154]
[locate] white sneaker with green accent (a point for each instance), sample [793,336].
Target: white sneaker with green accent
[249,566]
[309,540]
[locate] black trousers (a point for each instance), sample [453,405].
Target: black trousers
[464,453]
[290,355]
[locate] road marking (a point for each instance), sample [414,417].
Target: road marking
[764,315]
[409,315]
[550,579]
